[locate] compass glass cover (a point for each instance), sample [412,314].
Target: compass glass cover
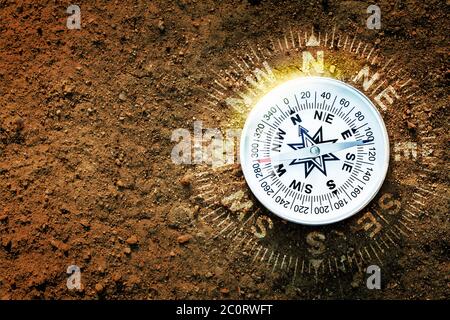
[314,150]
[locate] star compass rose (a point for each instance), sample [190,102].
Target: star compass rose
[312,143]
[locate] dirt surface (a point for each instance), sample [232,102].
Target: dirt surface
[86,119]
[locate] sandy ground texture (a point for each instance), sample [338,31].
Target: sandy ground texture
[86,119]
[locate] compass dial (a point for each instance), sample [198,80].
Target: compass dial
[314,150]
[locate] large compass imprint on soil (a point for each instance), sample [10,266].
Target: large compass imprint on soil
[374,235]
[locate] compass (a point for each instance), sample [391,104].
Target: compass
[314,150]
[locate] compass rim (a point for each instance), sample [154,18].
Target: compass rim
[385,161]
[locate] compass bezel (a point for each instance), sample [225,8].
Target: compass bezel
[270,205]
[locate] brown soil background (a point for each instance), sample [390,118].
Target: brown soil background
[86,118]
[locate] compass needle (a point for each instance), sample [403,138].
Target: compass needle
[314,152]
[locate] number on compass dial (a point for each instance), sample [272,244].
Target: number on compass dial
[314,150]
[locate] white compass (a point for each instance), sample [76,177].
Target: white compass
[314,150]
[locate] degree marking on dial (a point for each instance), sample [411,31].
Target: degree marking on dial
[284,116]
[346,116]
[356,129]
[269,124]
